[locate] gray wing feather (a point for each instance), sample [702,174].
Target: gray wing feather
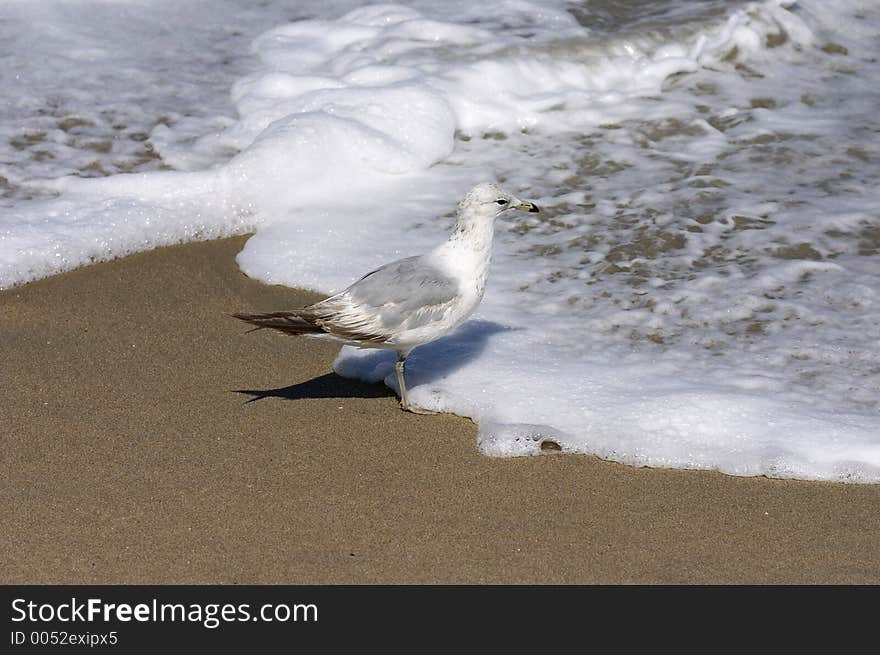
[405,294]
[410,283]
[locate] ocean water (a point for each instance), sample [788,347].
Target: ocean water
[701,290]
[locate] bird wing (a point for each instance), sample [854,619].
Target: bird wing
[403,295]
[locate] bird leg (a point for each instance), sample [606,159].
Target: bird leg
[401,361]
[404,403]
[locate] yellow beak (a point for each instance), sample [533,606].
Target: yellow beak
[527,206]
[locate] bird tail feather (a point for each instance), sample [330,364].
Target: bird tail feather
[293,322]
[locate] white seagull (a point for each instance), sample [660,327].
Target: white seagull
[411,301]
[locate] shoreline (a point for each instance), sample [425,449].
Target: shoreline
[151,441]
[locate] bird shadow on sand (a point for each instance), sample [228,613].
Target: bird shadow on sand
[426,364]
[328,385]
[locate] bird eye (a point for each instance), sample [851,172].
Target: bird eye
[501,201]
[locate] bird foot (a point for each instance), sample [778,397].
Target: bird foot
[417,410]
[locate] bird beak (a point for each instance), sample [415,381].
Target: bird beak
[527,206]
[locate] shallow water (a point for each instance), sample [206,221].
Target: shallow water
[701,290]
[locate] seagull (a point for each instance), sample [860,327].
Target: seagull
[411,301]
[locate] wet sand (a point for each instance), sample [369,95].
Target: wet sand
[130,454]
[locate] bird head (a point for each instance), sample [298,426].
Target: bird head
[491,200]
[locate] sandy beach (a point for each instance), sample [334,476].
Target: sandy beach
[131,454]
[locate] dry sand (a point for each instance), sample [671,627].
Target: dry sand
[129,457]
